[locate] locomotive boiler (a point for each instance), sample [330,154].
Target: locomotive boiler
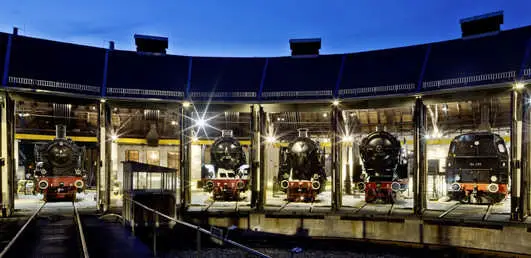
[59,171]
[301,172]
[228,175]
[385,165]
[477,168]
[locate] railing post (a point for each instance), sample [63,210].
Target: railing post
[133,223]
[198,241]
[155,226]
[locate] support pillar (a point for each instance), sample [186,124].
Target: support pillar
[7,160]
[526,151]
[255,155]
[185,153]
[516,154]
[262,183]
[336,150]
[104,168]
[420,164]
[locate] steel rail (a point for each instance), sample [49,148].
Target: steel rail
[20,231]
[200,229]
[80,230]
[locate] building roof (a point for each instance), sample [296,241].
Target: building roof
[488,60]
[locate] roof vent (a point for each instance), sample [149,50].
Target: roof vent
[481,25]
[151,44]
[305,47]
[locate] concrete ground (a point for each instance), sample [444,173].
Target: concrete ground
[29,203]
[202,201]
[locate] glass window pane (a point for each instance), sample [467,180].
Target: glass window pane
[153,157]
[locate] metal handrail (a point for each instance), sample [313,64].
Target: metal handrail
[81,234]
[200,229]
[20,231]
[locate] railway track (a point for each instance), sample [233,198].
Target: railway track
[54,230]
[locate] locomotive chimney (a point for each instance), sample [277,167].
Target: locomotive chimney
[226,133]
[60,131]
[303,132]
[152,137]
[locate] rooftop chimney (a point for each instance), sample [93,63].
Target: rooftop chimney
[151,44]
[482,24]
[305,47]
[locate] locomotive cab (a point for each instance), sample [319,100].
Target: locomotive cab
[477,169]
[228,175]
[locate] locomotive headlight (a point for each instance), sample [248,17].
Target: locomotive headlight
[457,177]
[503,164]
[456,187]
[209,185]
[284,184]
[78,171]
[395,186]
[79,183]
[493,188]
[493,178]
[316,185]
[43,172]
[43,184]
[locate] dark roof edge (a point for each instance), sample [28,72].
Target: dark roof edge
[287,56]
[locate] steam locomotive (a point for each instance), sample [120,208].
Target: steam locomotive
[477,168]
[228,175]
[59,171]
[301,174]
[385,165]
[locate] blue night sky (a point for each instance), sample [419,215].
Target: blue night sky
[253,28]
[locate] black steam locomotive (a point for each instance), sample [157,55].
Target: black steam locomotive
[228,175]
[385,167]
[301,174]
[59,171]
[477,168]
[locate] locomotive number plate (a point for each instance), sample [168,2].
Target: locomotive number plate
[475,164]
